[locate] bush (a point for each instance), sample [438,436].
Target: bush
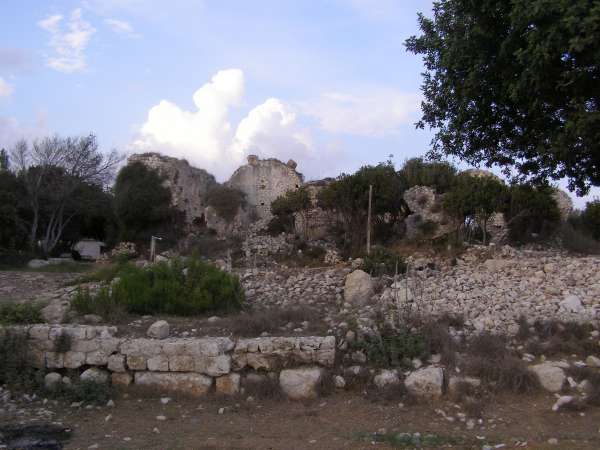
[15,364]
[393,347]
[591,218]
[381,261]
[417,172]
[20,313]
[166,288]
[226,201]
[86,391]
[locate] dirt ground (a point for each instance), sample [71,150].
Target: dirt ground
[339,421]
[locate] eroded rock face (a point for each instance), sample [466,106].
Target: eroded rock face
[358,288]
[427,382]
[564,203]
[189,185]
[426,218]
[301,384]
[263,180]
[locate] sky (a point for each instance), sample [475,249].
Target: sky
[327,83]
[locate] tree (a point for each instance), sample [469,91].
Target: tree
[286,206]
[475,198]
[13,230]
[226,201]
[591,218]
[53,171]
[437,174]
[348,197]
[515,83]
[4,160]
[142,202]
[530,211]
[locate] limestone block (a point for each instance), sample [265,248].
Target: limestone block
[74,360]
[39,332]
[141,347]
[300,384]
[121,379]
[54,360]
[85,346]
[228,384]
[183,363]
[116,363]
[426,382]
[37,358]
[175,347]
[193,384]
[159,330]
[136,362]
[386,378]
[550,376]
[158,363]
[358,288]
[213,366]
[97,358]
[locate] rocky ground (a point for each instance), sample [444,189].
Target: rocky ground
[339,421]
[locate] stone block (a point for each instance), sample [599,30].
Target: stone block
[54,360]
[136,362]
[158,363]
[97,358]
[121,379]
[74,360]
[228,384]
[183,363]
[193,384]
[116,363]
[301,384]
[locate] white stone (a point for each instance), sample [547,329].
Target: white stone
[562,401]
[358,288]
[386,378]
[52,379]
[300,384]
[95,375]
[159,330]
[550,376]
[593,361]
[572,303]
[193,384]
[426,382]
[37,263]
[339,382]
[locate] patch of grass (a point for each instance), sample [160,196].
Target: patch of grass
[382,261]
[104,273]
[86,391]
[175,287]
[562,338]
[20,313]
[577,241]
[393,347]
[439,340]
[64,267]
[489,359]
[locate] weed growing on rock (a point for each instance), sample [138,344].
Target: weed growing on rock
[393,347]
[17,313]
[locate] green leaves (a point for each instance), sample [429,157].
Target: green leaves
[515,84]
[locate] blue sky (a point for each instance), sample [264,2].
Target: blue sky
[326,82]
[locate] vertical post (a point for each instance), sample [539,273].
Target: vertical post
[369,220]
[152,249]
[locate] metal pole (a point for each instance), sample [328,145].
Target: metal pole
[369,220]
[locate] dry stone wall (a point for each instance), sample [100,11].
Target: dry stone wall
[188,365]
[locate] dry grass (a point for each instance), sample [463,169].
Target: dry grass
[252,324]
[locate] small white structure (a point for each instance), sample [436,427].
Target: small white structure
[89,248]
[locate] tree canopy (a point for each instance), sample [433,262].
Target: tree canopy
[515,83]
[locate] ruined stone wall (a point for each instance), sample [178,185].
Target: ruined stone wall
[189,365]
[263,181]
[189,185]
[319,221]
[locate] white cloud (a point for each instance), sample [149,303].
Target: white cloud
[206,138]
[376,113]
[6,89]
[68,43]
[121,27]
[11,130]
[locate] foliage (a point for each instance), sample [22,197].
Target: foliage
[530,211]
[514,84]
[474,198]
[382,261]
[20,313]
[393,347]
[142,202]
[4,160]
[286,206]
[348,196]
[591,218]
[226,201]
[174,287]
[13,229]
[436,174]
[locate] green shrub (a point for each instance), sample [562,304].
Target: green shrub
[166,288]
[226,201]
[393,347]
[20,313]
[381,261]
[86,391]
[591,218]
[437,174]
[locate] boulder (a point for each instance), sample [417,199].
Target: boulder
[159,330]
[300,384]
[358,288]
[455,382]
[572,303]
[56,311]
[427,382]
[593,361]
[52,379]
[94,375]
[550,376]
[386,378]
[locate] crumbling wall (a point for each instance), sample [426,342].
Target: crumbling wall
[188,185]
[319,221]
[263,180]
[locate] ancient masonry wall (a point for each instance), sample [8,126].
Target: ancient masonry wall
[188,365]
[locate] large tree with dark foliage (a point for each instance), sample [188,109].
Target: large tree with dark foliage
[515,83]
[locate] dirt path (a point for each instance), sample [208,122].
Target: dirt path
[22,286]
[341,421]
